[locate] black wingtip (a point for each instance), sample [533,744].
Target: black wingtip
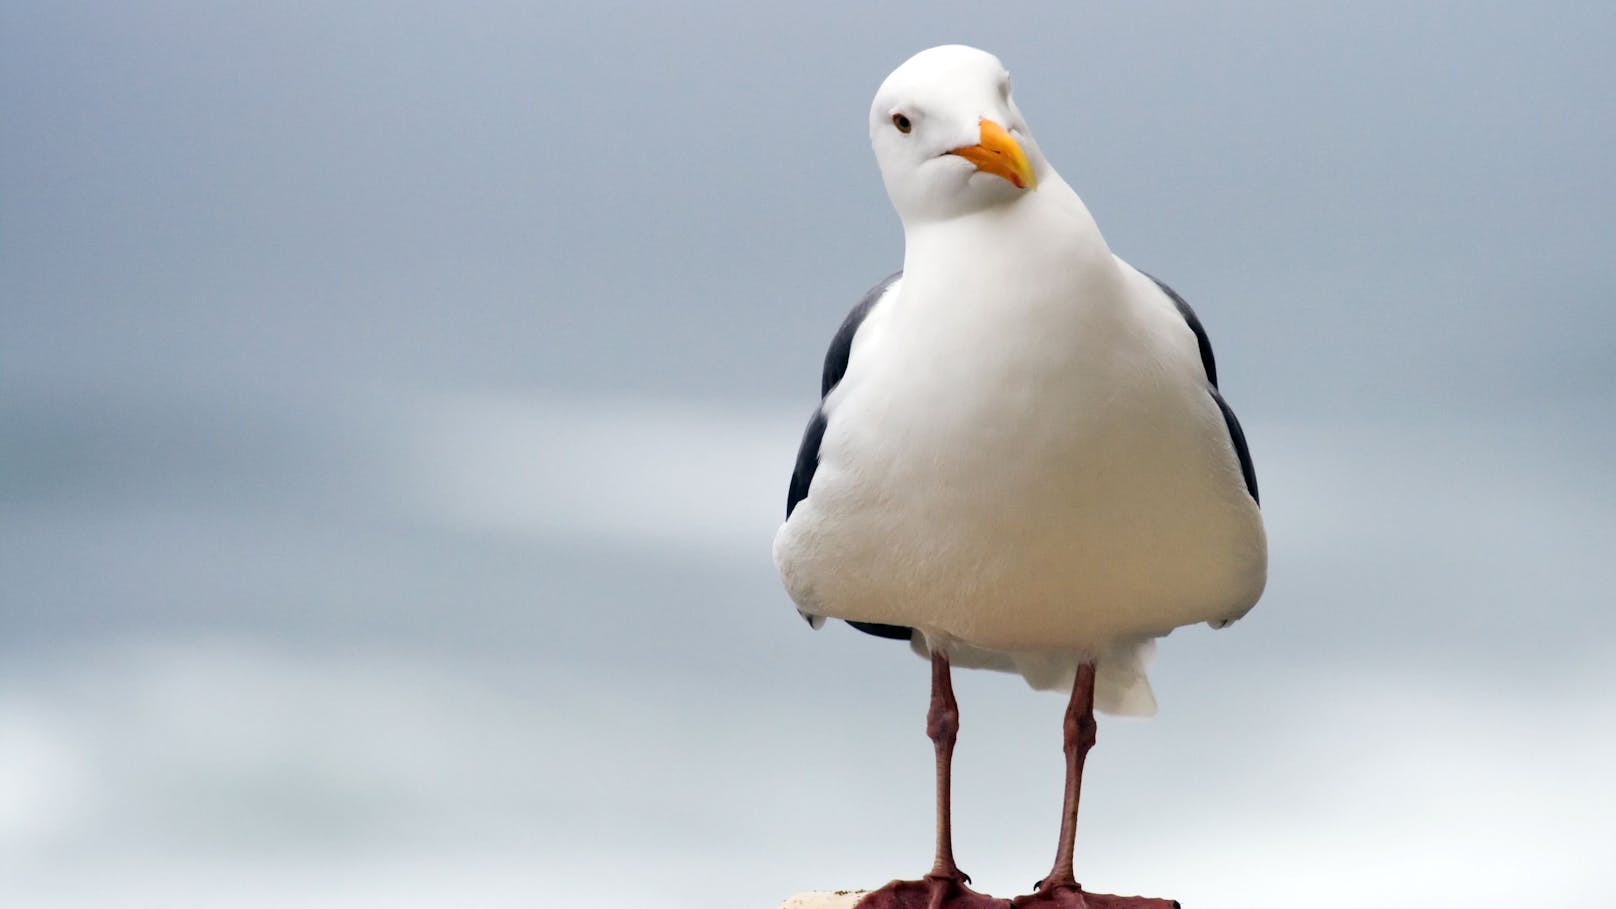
[890,632]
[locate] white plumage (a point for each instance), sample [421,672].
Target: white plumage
[1025,460]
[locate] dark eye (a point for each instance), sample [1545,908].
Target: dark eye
[902,123]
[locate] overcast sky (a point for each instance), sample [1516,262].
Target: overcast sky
[397,401]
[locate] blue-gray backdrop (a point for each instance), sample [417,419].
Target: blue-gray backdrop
[396,403]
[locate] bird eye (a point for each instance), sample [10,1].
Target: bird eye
[902,123]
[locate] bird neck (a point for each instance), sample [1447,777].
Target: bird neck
[1044,231]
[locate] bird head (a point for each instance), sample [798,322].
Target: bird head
[948,137]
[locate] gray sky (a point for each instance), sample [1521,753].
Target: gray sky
[396,404]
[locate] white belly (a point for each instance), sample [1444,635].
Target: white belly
[1053,478]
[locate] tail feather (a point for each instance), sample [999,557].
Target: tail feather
[1121,679]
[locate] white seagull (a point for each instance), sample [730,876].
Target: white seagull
[1021,460]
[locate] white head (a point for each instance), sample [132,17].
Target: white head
[949,139]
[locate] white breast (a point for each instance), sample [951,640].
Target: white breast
[1024,456]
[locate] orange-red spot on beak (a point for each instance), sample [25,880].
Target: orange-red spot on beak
[999,154]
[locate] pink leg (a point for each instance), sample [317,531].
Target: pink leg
[944,886]
[1078,729]
[942,727]
[1060,890]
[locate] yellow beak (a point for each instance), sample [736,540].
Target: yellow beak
[1000,155]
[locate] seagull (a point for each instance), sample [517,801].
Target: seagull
[1021,459]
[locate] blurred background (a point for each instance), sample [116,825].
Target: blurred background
[397,402]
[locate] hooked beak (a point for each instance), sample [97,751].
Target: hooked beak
[1000,155]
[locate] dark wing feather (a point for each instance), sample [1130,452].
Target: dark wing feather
[891,632]
[1236,435]
[807,461]
[1208,362]
[841,345]
[841,349]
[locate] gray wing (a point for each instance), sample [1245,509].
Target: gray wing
[802,476]
[1237,436]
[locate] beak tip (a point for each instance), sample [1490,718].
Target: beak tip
[1000,154]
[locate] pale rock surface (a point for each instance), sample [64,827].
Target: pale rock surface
[824,899]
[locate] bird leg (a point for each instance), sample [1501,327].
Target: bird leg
[1079,729]
[944,886]
[942,727]
[1059,889]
